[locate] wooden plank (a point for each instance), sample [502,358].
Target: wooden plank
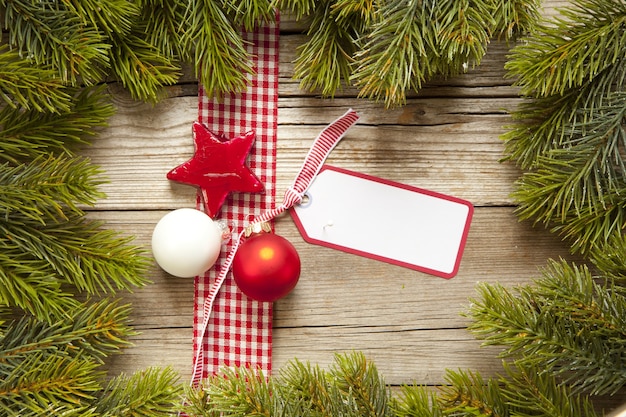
[417,144]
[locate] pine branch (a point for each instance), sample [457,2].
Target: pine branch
[53,384]
[417,401]
[220,57]
[96,329]
[152,392]
[141,67]
[566,324]
[572,50]
[28,135]
[23,86]
[50,35]
[324,62]
[514,18]
[45,190]
[249,13]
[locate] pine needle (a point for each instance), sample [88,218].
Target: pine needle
[566,324]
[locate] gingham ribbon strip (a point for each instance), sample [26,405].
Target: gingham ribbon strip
[321,148]
[241,329]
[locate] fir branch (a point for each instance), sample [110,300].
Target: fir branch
[152,392]
[162,22]
[547,123]
[515,17]
[462,33]
[236,392]
[28,135]
[520,392]
[81,252]
[300,8]
[394,55]
[579,186]
[109,16]
[27,284]
[345,10]
[352,388]
[566,324]
[23,86]
[467,393]
[417,401]
[96,329]
[308,387]
[45,190]
[53,384]
[572,50]
[220,58]
[532,392]
[324,62]
[50,35]
[249,13]
[141,67]
[610,258]
[359,378]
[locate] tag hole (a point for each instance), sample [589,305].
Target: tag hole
[306,200]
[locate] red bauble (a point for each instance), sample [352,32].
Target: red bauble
[266,267]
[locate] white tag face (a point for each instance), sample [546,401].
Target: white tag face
[384,220]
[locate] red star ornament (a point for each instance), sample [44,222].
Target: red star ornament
[218,167]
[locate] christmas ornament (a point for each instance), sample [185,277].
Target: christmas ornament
[266,267]
[320,149]
[218,167]
[186,242]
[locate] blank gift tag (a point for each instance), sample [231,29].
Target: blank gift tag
[385,220]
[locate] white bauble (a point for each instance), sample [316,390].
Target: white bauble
[186,242]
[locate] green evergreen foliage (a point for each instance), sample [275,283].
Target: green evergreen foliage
[53,346]
[566,324]
[54,367]
[563,337]
[570,133]
[351,387]
[387,49]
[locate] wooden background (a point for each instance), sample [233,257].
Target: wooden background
[445,139]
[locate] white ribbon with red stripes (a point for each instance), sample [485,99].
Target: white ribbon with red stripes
[321,148]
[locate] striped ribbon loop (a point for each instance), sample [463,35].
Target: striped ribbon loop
[325,142]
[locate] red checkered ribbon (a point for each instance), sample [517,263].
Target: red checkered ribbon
[229,328]
[241,329]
